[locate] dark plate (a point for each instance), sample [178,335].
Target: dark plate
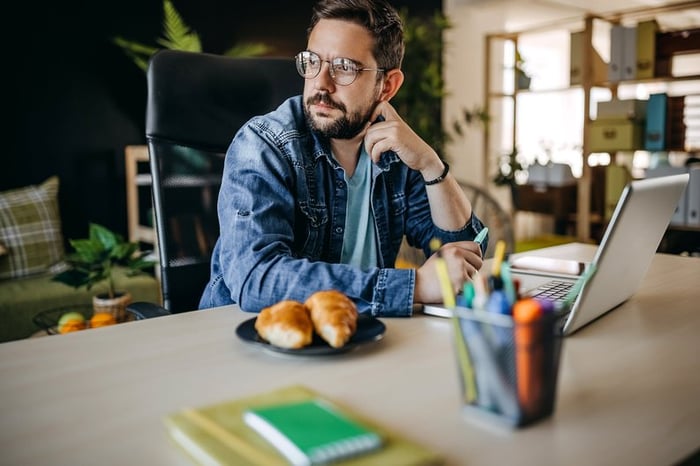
[369,329]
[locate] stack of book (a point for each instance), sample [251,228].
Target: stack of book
[289,425]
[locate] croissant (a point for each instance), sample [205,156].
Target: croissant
[286,324]
[334,316]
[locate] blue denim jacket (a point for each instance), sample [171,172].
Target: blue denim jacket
[282,214]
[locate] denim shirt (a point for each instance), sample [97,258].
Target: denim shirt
[282,208]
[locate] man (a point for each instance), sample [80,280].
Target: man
[319,193]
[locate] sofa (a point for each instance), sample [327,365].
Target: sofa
[31,252]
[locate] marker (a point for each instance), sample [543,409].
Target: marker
[529,355]
[481,236]
[508,285]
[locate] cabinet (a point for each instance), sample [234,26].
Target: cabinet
[556,107]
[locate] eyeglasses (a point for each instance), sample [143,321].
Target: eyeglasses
[344,71]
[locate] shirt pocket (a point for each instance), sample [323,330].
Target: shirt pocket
[315,221]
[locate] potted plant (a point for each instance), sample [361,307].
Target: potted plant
[522,78]
[94,261]
[177,35]
[419,101]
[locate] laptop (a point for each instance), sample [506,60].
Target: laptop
[634,232]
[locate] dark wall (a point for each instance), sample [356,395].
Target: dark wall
[76,100]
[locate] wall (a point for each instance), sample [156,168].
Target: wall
[75,100]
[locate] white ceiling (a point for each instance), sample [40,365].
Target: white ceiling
[521,14]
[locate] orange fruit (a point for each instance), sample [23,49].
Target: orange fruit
[100,319]
[71,326]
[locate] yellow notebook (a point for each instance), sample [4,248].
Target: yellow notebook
[218,434]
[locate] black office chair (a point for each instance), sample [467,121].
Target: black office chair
[196,103]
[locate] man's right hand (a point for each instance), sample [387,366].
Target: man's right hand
[463,260]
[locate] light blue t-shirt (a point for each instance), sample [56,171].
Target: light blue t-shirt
[359,239]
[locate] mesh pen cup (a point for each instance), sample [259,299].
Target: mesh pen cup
[507,370]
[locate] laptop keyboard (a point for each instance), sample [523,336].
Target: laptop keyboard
[555,290]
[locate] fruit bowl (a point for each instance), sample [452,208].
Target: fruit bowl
[48,320]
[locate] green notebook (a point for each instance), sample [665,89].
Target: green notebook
[218,434]
[311,432]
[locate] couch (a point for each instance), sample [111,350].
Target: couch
[31,252]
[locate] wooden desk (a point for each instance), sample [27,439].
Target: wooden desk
[628,387]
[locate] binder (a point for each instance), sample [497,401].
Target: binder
[693,193]
[599,67]
[646,48]
[617,49]
[654,134]
[629,53]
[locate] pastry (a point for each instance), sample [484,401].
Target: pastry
[286,324]
[334,316]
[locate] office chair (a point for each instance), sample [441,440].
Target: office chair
[196,104]
[487,208]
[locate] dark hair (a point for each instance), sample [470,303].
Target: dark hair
[377,16]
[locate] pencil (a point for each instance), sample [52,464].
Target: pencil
[448,297]
[498,258]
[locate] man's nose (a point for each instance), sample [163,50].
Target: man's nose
[324,81]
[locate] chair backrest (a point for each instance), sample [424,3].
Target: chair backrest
[487,208]
[499,220]
[196,104]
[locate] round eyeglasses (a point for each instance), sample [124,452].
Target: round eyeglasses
[344,71]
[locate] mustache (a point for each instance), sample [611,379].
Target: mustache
[323,98]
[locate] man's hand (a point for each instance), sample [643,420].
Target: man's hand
[463,259]
[394,134]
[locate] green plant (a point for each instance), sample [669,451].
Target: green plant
[419,101]
[95,257]
[177,35]
[509,168]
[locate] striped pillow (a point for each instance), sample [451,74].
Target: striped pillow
[30,230]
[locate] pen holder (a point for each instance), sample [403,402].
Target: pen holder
[508,371]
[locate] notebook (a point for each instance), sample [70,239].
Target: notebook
[311,431]
[631,238]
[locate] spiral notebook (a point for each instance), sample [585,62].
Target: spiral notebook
[312,431]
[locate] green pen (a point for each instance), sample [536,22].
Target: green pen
[481,236]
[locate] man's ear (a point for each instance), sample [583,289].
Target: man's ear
[392,83]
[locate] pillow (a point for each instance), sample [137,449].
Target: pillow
[30,230]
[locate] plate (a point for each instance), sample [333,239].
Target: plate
[369,329]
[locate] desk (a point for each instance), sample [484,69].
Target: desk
[628,386]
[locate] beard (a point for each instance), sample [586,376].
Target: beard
[347,126]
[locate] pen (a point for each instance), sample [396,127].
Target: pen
[448,297]
[481,236]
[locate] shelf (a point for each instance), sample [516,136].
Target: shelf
[514,120]
[136,157]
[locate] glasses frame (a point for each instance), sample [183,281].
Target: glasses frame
[337,61]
